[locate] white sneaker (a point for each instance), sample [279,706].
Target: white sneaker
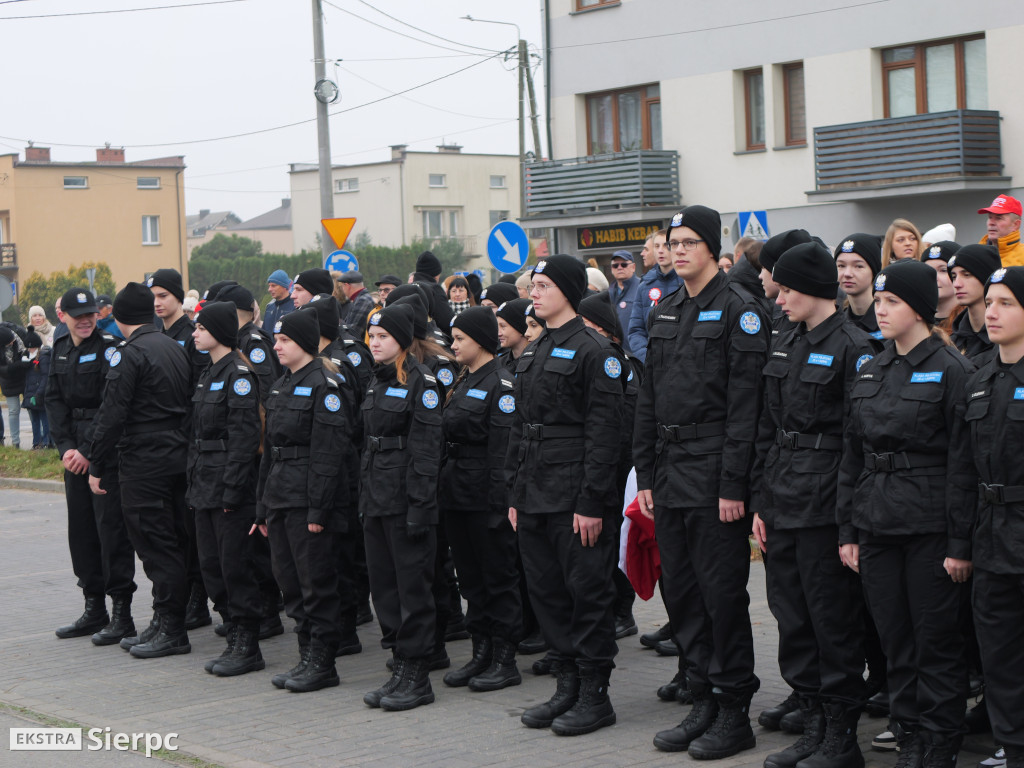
[998,760]
[886,742]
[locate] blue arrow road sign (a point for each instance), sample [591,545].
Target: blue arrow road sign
[341,261]
[507,246]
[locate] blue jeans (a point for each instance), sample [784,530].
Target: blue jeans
[40,427]
[14,418]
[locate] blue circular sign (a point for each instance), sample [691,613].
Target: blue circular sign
[341,261]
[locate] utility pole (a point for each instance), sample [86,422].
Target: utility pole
[323,134]
[522,128]
[533,104]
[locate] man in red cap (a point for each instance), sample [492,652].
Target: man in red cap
[1004,229]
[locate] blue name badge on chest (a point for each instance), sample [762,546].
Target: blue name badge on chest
[87,358]
[181,343]
[705,317]
[303,391]
[877,335]
[479,394]
[1018,393]
[816,359]
[397,392]
[565,354]
[926,377]
[216,385]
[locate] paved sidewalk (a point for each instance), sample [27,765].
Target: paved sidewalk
[245,722]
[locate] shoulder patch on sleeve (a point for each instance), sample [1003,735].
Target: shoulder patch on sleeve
[445,376]
[257,355]
[331,381]
[429,378]
[242,387]
[332,403]
[430,399]
[115,359]
[863,359]
[612,367]
[507,383]
[750,323]
[506,403]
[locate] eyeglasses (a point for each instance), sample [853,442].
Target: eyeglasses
[540,287]
[687,245]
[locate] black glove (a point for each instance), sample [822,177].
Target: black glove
[416,531]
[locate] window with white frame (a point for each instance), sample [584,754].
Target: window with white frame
[496,216]
[151,230]
[437,180]
[76,182]
[148,182]
[347,185]
[433,222]
[497,182]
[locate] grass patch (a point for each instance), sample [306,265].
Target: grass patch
[37,465]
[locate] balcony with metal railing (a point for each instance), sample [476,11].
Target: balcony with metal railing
[8,256]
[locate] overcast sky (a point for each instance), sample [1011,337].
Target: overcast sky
[162,78]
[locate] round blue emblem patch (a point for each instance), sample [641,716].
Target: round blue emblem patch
[242,387]
[355,358]
[109,352]
[506,404]
[430,399]
[863,359]
[332,403]
[445,377]
[750,323]
[257,355]
[613,368]
[115,358]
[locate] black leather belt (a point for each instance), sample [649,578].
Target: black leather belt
[546,432]
[1001,494]
[210,446]
[796,440]
[84,413]
[676,433]
[290,452]
[892,462]
[163,425]
[375,444]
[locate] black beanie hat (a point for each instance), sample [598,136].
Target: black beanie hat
[328,316]
[868,247]
[396,319]
[499,293]
[409,289]
[6,336]
[980,260]
[808,268]
[475,286]
[914,282]
[32,340]
[598,310]
[480,324]
[238,295]
[420,320]
[944,249]
[133,305]
[428,264]
[214,290]
[777,245]
[221,320]
[705,221]
[78,301]
[316,280]
[1012,278]
[531,312]
[567,273]
[302,328]
[514,313]
[169,280]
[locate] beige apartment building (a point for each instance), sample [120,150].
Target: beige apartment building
[53,215]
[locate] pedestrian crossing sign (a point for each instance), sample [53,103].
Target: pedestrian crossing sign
[754,224]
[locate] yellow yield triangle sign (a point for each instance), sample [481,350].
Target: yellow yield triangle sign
[338,229]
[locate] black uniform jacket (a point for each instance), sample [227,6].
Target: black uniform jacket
[907,413]
[995,416]
[144,409]
[477,418]
[258,348]
[807,383]
[975,345]
[74,389]
[867,323]
[700,398]
[226,431]
[358,356]
[564,446]
[402,445]
[304,457]
[181,332]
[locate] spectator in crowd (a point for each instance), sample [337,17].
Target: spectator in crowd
[189,306]
[647,254]
[41,325]
[459,297]
[386,285]
[655,285]
[937,235]
[622,293]
[428,270]
[61,329]
[279,287]
[34,398]
[596,281]
[1003,229]
[523,285]
[104,319]
[14,365]
[902,241]
[360,302]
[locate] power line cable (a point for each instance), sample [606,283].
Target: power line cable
[418,29]
[119,10]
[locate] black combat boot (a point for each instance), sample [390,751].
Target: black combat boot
[319,672]
[694,725]
[670,690]
[372,699]
[413,689]
[481,660]
[121,623]
[839,748]
[197,612]
[667,648]
[793,722]
[455,627]
[532,643]
[127,643]
[878,705]
[270,624]
[545,665]
[226,653]
[170,640]
[625,624]
[225,625]
[567,690]
[502,672]
[245,655]
[806,745]
[349,644]
[730,733]
[940,750]
[909,745]
[93,619]
[651,639]
[305,651]
[593,708]
[771,718]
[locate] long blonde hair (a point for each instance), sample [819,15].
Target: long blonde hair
[890,234]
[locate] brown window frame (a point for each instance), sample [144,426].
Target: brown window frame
[645,114]
[578,4]
[791,140]
[921,74]
[747,75]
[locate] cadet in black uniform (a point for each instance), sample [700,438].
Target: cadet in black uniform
[398,503]
[561,465]
[535,326]
[473,499]
[255,344]
[222,474]
[101,555]
[995,410]
[815,600]
[310,283]
[512,331]
[858,260]
[770,253]
[696,422]
[303,489]
[970,266]
[914,494]
[139,430]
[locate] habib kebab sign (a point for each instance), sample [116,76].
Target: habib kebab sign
[615,235]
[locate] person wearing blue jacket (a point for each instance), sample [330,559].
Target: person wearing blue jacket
[654,286]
